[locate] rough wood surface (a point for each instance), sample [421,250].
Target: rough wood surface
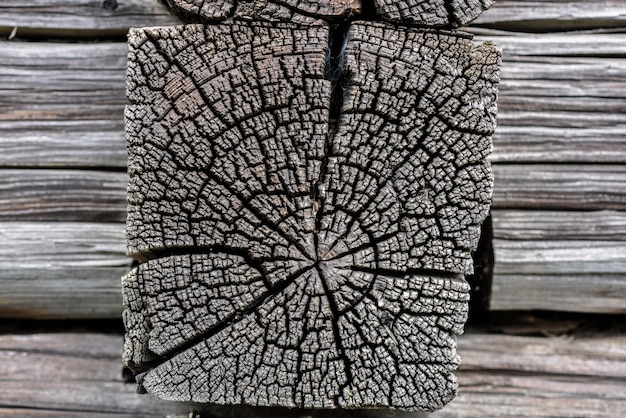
[270,10]
[560,186]
[80,18]
[71,374]
[554,15]
[565,261]
[101,18]
[62,104]
[561,99]
[326,269]
[431,13]
[61,270]
[41,128]
[62,195]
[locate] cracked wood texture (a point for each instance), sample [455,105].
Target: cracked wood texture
[305,212]
[430,13]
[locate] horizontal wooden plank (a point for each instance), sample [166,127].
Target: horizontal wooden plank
[539,377]
[61,270]
[553,15]
[559,260]
[62,195]
[561,98]
[80,18]
[47,371]
[560,186]
[47,375]
[62,104]
[559,275]
[98,18]
[539,225]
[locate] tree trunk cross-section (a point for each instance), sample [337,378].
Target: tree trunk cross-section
[305,203]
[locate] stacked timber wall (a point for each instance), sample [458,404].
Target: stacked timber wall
[559,211]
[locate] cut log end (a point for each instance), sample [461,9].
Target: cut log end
[307,210]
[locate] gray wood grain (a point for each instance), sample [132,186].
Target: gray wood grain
[539,377]
[568,108]
[431,13]
[562,260]
[326,267]
[61,269]
[560,186]
[62,104]
[62,195]
[80,18]
[561,99]
[86,18]
[553,15]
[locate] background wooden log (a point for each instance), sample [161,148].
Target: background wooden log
[553,15]
[82,18]
[63,104]
[560,102]
[61,270]
[62,195]
[73,374]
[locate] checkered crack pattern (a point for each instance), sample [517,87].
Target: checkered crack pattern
[304,205]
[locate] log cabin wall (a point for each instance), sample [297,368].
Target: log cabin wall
[559,213]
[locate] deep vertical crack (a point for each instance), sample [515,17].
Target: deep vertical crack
[334,71]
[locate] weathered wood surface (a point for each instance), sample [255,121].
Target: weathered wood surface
[76,120]
[560,186]
[61,269]
[429,13]
[567,261]
[282,242]
[62,104]
[80,18]
[88,18]
[91,195]
[62,195]
[560,101]
[66,375]
[554,15]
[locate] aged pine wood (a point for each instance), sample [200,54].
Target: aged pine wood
[560,186]
[554,15]
[61,269]
[62,104]
[277,236]
[80,18]
[62,195]
[62,374]
[565,261]
[73,374]
[540,377]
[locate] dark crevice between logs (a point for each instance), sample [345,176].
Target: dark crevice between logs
[481,280]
